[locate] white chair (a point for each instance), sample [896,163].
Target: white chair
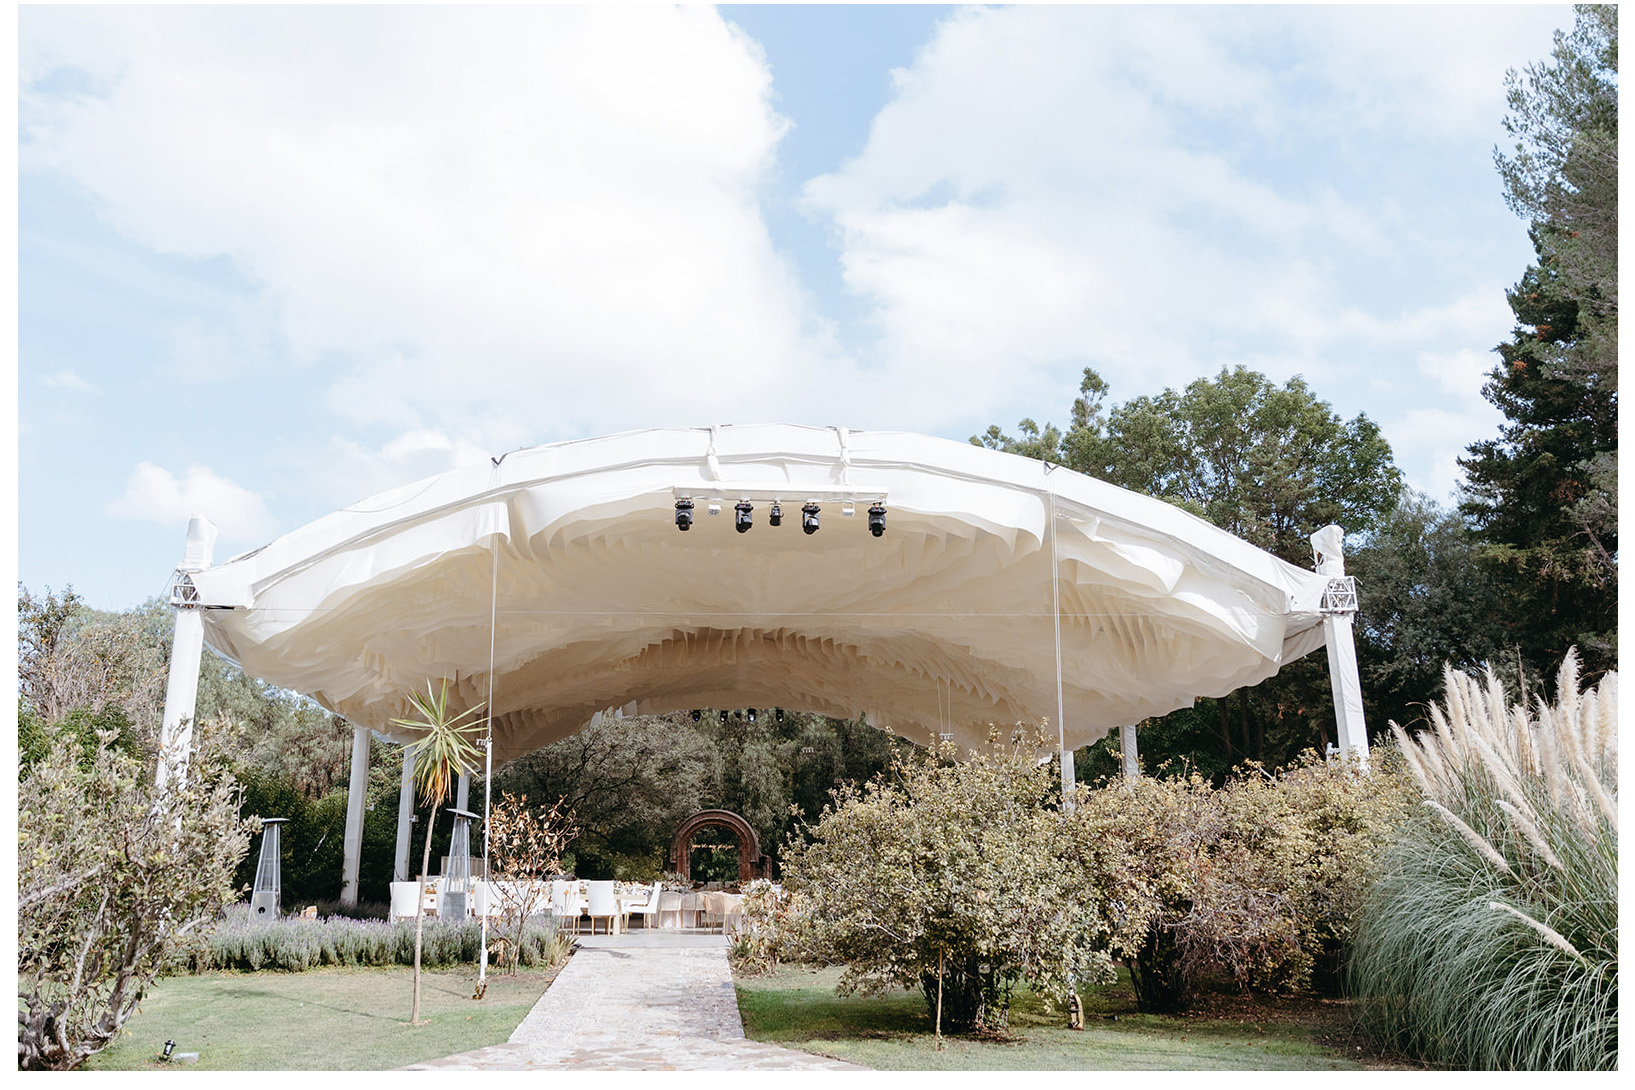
[563,907]
[649,909]
[670,905]
[403,900]
[602,901]
[485,899]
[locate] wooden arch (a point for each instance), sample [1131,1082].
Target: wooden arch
[751,864]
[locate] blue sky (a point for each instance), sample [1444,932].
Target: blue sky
[274,260]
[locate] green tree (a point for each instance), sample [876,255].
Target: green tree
[1543,495]
[630,782]
[1270,464]
[1563,175]
[443,750]
[1427,601]
[111,875]
[947,875]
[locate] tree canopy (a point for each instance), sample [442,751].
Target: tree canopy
[1270,463]
[1542,497]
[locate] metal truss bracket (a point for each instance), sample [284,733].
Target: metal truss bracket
[1340,596]
[183,594]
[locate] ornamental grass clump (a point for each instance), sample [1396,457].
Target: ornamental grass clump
[1491,937]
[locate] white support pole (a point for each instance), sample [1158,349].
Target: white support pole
[1126,741]
[1068,776]
[405,817]
[186,645]
[1339,606]
[1347,685]
[352,845]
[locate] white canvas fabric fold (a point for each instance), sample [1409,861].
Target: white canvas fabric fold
[942,625]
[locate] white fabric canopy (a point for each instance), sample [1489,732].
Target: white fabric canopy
[944,624]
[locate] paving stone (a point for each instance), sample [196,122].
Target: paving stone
[643,1001]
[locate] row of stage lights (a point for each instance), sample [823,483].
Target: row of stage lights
[745,516]
[748,713]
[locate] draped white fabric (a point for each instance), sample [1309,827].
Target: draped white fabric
[943,624]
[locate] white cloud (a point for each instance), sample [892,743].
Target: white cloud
[522,224]
[544,215]
[343,471]
[1161,193]
[67,380]
[154,494]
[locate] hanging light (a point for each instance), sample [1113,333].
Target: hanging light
[775,515]
[809,518]
[752,715]
[745,516]
[697,715]
[777,713]
[877,520]
[684,515]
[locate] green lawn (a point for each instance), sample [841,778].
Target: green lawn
[323,1019]
[797,1008]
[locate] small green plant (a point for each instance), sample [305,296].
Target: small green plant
[444,748]
[1491,938]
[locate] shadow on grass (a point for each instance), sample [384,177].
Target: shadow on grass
[797,1008]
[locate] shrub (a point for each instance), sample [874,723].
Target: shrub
[1257,881]
[943,875]
[112,873]
[294,944]
[1491,938]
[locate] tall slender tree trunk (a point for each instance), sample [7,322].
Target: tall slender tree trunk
[1226,732]
[1243,724]
[420,915]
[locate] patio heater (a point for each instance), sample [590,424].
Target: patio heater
[264,894]
[455,903]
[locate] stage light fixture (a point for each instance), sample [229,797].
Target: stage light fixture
[847,510]
[715,507]
[684,515]
[745,517]
[775,515]
[877,520]
[752,715]
[777,713]
[697,715]
[809,518]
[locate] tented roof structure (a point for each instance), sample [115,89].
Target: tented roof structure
[599,604]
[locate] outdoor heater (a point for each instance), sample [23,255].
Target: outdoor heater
[268,875]
[456,900]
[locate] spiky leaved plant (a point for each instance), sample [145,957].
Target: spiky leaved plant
[1491,938]
[443,749]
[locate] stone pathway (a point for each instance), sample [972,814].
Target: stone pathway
[643,1001]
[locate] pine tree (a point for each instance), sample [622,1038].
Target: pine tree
[1542,496]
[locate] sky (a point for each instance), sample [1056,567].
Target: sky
[273,260]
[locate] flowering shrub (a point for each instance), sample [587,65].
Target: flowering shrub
[1257,881]
[967,877]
